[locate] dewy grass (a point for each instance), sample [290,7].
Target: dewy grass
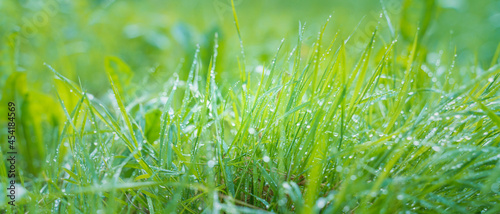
[329,129]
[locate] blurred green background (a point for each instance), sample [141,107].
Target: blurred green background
[75,36]
[159,38]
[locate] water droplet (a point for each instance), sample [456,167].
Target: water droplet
[321,203]
[400,197]
[251,130]
[211,163]
[436,148]
[266,159]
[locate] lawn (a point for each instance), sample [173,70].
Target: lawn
[222,106]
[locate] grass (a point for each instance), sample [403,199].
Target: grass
[321,127]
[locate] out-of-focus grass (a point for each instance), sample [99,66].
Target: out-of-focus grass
[135,107]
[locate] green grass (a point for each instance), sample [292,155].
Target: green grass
[322,126]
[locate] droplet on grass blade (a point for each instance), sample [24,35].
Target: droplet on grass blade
[251,130]
[211,163]
[436,148]
[266,159]
[400,197]
[321,202]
